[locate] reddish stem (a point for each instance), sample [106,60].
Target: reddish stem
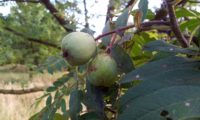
[113,38]
[175,26]
[145,24]
[114,31]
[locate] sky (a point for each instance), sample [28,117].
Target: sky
[97,9]
[101,8]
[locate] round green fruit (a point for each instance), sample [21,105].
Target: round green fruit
[78,48]
[102,71]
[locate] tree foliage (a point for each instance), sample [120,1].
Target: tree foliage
[30,33]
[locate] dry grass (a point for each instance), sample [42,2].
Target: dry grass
[18,107]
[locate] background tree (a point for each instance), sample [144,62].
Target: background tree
[31,32]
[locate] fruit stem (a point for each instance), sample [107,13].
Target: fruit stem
[77,77]
[82,75]
[113,38]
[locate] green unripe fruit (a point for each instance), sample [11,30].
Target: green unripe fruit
[78,48]
[102,71]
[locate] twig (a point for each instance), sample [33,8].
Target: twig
[86,16]
[130,3]
[113,38]
[52,10]
[174,25]
[143,25]
[43,42]
[55,12]
[114,31]
[22,91]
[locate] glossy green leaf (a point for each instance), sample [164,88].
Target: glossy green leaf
[49,100]
[61,81]
[135,47]
[160,45]
[190,25]
[158,67]
[180,102]
[57,95]
[93,99]
[39,100]
[64,109]
[88,30]
[195,11]
[150,14]
[194,118]
[183,12]
[75,104]
[54,63]
[70,26]
[122,19]
[161,55]
[58,103]
[169,84]
[51,113]
[107,28]
[51,89]
[63,106]
[123,60]
[143,7]
[37,115]
[163,80]
[120,22]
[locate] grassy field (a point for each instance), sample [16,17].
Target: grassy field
[18,107]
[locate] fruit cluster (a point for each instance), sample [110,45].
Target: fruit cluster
[79,48]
